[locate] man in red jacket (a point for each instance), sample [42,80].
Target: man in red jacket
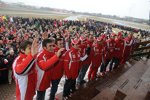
[127,48]
[119,49]
[97,58]
[71,66]
[45,62]
[24,71]
[84,65]
[58,69]
[110,51]
[103,67]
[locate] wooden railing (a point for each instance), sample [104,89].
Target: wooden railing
[141,51]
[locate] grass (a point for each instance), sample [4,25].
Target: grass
[131,24]
[33,14]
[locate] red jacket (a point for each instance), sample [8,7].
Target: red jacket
[45,62]
[83,53]
[25,76]
[97,57]
[104,51]
[110,48]
[119,48]
[89,59]
[128,47]
[72,63]
[58,69]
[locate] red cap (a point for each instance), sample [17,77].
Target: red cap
[119,34]
[99,39]
[82,38]
[74,41]
[103,36]
[113,34]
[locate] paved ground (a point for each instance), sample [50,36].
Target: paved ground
[7,91]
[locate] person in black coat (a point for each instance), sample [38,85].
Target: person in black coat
[11,57]
[3,67]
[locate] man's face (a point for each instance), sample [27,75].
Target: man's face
[50,47]
[99,42]
[60,44]
[120,36]
[76,46]
[113,37]
[83,41]
[91,38]
[1,52]
[45,35]
[28,49]
[11,52]
[1,41]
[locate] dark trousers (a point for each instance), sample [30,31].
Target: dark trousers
[40,95]
[69,87]
[82,73]
[54,88]
[104,65]
[116,61]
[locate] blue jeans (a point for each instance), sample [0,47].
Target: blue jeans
[54,89]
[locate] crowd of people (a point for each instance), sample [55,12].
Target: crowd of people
[41,51]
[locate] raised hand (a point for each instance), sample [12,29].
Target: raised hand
[34,47]
[59,52]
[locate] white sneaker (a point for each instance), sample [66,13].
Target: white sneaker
[128,64]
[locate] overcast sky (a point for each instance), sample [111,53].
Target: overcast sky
[133,8]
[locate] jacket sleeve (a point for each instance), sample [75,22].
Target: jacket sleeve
[66,65]
[44,65]
[24,66]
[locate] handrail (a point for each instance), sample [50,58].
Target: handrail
[141,54]
[142,48]
[143,43]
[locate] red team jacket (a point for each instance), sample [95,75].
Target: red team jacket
[89,59]
[58,69]
[25,76]
[83,53]
[45,62]
[119,48]
[110,48]
[97,57]
[72,63]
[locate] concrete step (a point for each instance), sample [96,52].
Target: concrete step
[142,88]
[124,86]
